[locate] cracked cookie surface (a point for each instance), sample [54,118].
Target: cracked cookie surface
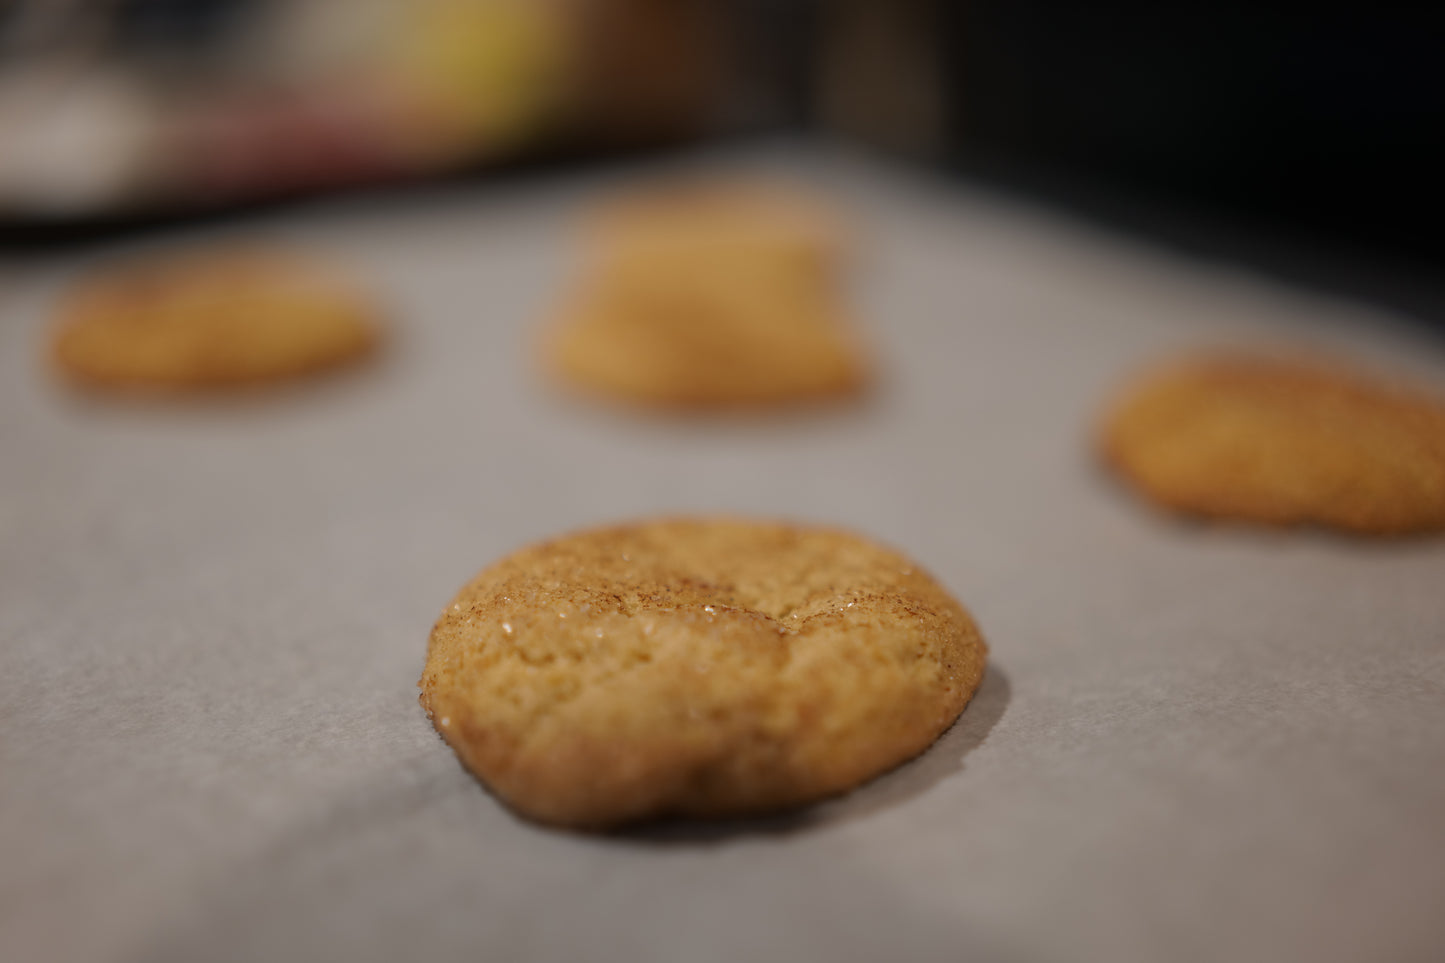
[695,667]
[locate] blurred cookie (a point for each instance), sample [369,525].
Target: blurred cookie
[1282,442]
[739,331]
[695,667]
[718,219]
[212,321]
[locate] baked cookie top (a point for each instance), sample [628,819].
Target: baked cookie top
[695,667]
[708,295]
[1276,441]
[209,321]
[717,218]
[739,331]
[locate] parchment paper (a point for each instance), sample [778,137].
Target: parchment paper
[1193,743]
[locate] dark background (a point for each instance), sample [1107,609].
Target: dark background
[1304,141]
[1328,120]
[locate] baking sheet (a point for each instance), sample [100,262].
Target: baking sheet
[1193,743]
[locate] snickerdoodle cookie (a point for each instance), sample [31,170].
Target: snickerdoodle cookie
[719,218]
[1274,441]
[695,667]
[737,333]
[708,298]
[197,322]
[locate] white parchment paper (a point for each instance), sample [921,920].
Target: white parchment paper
[1194,743]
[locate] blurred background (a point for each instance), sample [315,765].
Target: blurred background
[1309,144]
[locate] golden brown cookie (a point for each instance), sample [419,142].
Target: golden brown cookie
[711,219]
[709,295]
[695,667]
[210,321]
[1282,442]
[734,332]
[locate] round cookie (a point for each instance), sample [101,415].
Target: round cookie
[1282,442]
[745,331]
[695,667]
[210,321]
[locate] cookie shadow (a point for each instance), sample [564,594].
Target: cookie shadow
[910,779]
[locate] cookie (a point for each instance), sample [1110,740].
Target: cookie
[1282,442]
[735,332]
[211,321]
[695,667]
[718,219]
